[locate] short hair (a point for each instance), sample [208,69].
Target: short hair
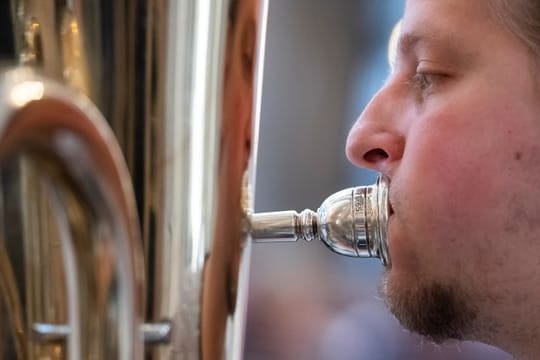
[522,17]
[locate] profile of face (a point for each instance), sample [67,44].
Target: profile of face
[222,265]
[456,127]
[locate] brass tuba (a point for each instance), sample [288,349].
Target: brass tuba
[127,142]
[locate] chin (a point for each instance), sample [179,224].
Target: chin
[433,309]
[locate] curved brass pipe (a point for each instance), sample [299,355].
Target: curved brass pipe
[70,180]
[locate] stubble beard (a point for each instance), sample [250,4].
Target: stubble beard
[438,312]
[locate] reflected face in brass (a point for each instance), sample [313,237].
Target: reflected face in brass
[222,265]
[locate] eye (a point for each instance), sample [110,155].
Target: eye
[426,81]
[422,81]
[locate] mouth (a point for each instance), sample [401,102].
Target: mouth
[390,208]
[389,220]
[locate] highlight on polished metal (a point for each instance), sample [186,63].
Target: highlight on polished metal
[351,222]
[70,253]
[128,241]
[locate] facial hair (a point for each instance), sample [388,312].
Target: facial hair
[431,309]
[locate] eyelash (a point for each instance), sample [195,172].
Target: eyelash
[424,81]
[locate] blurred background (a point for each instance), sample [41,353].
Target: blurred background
[324,61]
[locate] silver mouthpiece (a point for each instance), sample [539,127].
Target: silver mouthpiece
[351,222]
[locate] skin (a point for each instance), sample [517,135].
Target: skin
[456,127]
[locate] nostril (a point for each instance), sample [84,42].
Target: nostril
[375,155]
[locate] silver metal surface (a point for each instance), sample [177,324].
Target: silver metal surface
[49,333]
[351,222]
[158,333]
[178,83]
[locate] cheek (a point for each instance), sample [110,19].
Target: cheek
[447,173]
[467,151]
[446,165]
[463,176]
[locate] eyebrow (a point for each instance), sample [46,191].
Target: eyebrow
[407,42]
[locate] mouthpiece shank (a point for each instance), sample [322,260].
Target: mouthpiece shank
[351,222]
[284,226]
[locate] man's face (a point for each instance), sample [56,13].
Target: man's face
[457,129]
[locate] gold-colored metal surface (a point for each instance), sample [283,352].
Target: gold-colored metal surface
[178,83]
[68,239]
[222,265]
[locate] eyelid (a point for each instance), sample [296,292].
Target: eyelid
[426,66]
[425,80]
[434,68]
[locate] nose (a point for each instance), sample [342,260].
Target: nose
[375,141]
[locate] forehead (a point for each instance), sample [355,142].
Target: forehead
[460,20]
[454,10]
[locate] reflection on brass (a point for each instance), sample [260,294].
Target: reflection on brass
[32,53]
[222,265]
[10,308]
[74,68]
[177,83]
[43,270]
[68,228]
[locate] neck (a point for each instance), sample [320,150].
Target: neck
[517,331]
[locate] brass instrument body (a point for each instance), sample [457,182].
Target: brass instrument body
[178,83]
